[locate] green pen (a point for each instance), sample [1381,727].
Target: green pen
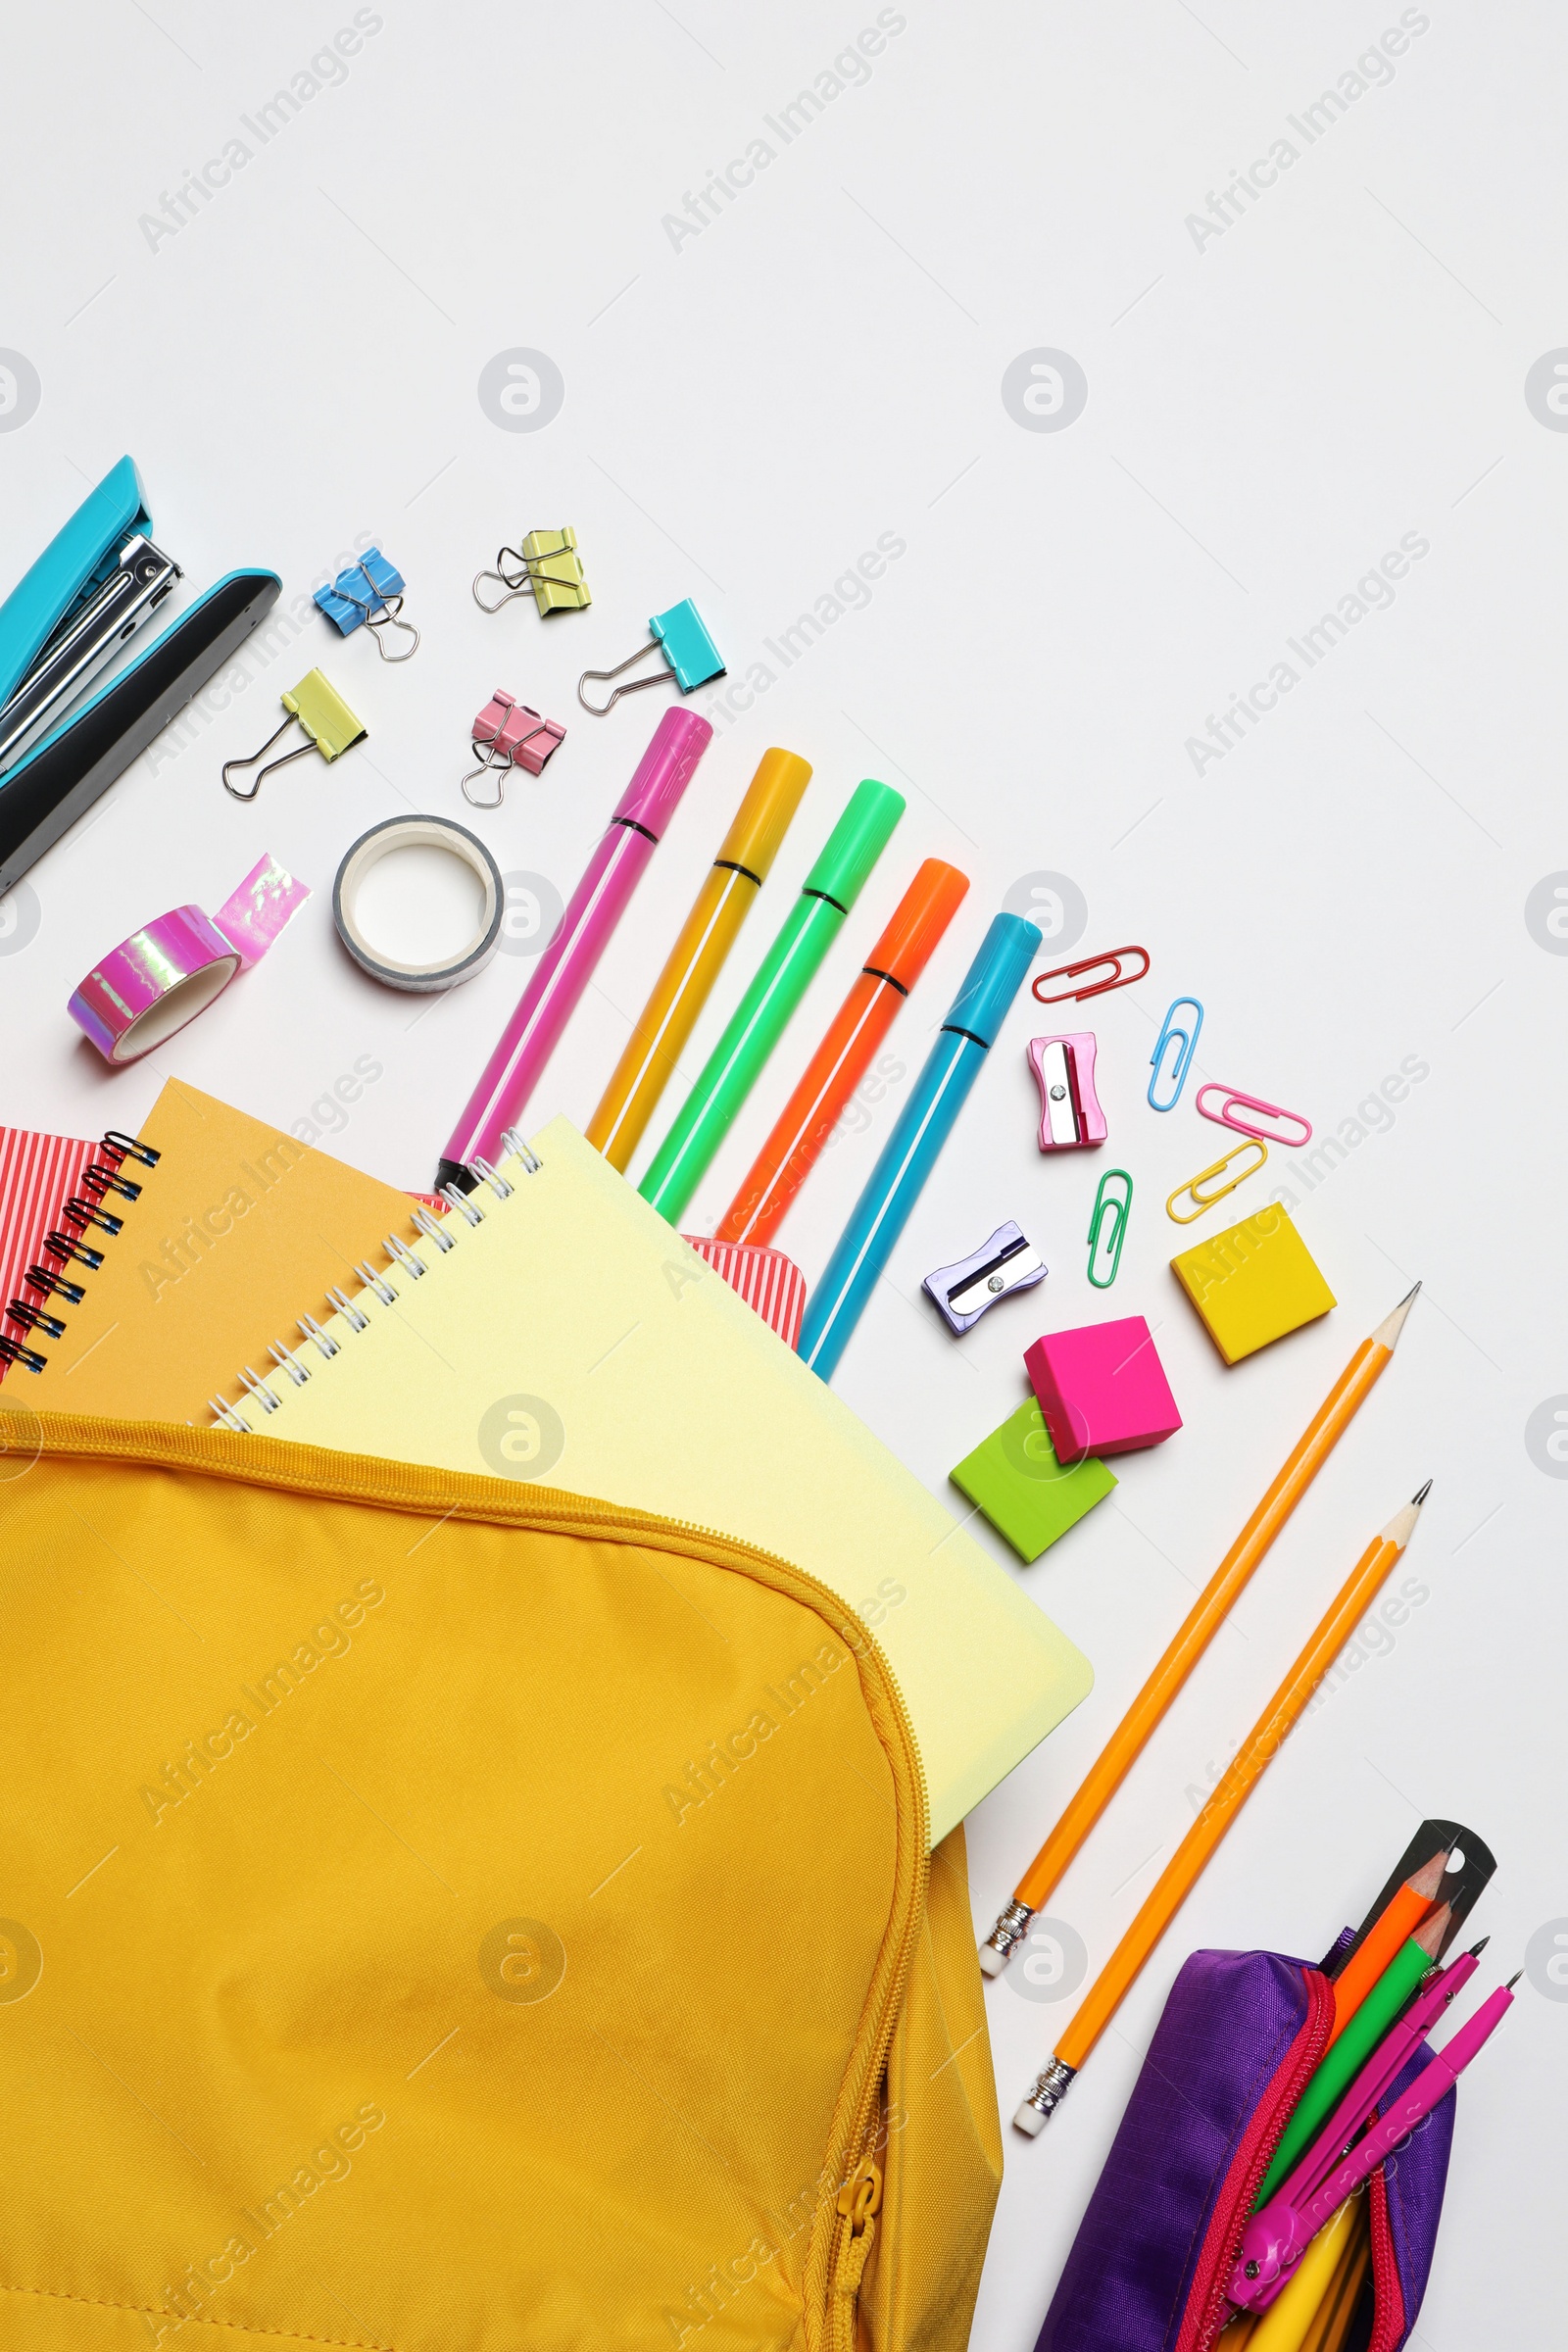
[763,1014]
[1339,2067]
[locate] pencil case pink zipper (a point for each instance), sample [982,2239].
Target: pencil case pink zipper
[1239,2041]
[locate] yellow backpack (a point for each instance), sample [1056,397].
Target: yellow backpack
[438,1915]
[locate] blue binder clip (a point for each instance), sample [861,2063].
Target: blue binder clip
[1185,1040]
[97,584]
[689,651]
[370,593]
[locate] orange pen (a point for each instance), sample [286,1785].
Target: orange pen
[840,1061]
[707,937]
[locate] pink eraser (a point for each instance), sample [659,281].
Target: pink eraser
[1101,1388]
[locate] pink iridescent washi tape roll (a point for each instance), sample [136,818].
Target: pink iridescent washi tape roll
[170,970]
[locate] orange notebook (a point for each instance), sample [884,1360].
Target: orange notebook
[236,1227]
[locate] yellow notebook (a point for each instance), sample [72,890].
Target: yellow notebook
[238,1230]
[569,1335]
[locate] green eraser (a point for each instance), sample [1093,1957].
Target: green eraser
[1015,1477]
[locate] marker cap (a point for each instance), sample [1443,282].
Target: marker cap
[920,919]
[665,771]
[855,843]
[764,817]
[995,977]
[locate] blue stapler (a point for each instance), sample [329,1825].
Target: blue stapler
[95,585]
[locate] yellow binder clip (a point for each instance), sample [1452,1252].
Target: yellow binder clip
[1200,1199]
[548,562]
[327,720]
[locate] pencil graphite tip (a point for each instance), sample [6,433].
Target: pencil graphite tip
[1419,1497]
[1476,1949]
[1513,1980]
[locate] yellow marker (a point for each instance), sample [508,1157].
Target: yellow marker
[707,937]
[1284,2326]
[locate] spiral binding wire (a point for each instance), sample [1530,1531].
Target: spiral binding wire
[378,1283]
[86,1211]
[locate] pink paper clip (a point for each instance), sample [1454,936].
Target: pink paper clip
[1225,1116]
[1071,971]
[507,733]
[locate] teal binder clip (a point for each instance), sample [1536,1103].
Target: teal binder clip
[690,655]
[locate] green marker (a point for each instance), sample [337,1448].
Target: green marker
[760,1020]
[1338,2069]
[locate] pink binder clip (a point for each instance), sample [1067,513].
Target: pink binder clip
[507,734]
[1069,1108]
[1226,1116]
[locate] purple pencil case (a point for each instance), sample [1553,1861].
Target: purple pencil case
[1240,2036]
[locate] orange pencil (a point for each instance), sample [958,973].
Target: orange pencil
[840,1061]
[1198,1629]
[1246,1768]
[1407,1909]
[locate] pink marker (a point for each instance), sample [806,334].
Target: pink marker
[564,969]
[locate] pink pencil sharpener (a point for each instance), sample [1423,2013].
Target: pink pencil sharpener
[1069,1108]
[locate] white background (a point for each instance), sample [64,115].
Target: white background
[1269,411]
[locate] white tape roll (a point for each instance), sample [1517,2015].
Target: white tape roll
[390,935]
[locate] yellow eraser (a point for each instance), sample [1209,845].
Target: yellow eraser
[1253,1283]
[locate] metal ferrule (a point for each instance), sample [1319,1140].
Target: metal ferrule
[1010,1931]
[1052,2086]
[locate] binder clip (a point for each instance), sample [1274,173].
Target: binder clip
[548,563]
[1185,1039]
[1069,1108]
[507,734]
[690,655]
[961,1294]
[369,592]
[66,729]
[327,720]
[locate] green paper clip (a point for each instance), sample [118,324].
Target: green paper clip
[1114,1208]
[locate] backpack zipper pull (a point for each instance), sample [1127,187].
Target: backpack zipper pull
[859,2202]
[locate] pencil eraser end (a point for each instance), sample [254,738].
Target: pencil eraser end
[1029,2119]
[992,1962]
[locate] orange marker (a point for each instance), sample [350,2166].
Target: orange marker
[840,1061]
[707,937]
[1405,1911]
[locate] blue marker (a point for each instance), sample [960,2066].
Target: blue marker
[910,1151]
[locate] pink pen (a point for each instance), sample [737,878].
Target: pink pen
[564,969]
[1275,2239]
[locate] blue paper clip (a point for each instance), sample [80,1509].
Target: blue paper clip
[1184,1052]
[369,591]
[689,651]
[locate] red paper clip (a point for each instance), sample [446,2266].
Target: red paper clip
[1071,971]
[1225,1117]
